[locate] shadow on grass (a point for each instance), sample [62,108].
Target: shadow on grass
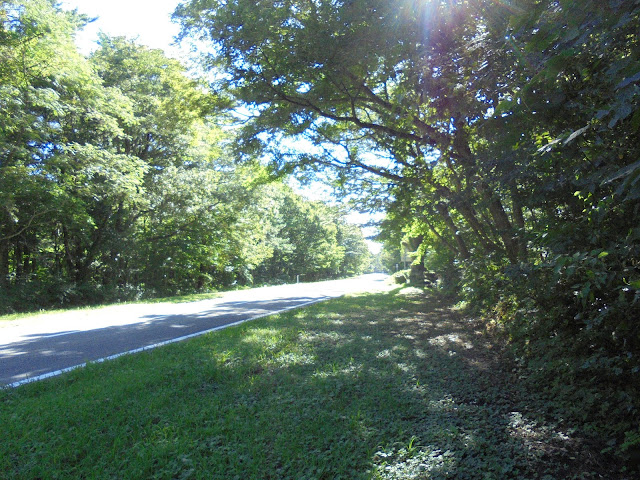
[374,386]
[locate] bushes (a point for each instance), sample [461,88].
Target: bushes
[572,325]
[447,269]
[401,277]
[33,294]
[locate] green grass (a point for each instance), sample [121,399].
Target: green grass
[366,387]
[194,297]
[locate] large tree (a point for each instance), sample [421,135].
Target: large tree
[57,180]
[396,80]
[506,137]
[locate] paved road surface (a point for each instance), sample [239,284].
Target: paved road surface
[42,345]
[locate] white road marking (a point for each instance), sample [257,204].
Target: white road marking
[150,347]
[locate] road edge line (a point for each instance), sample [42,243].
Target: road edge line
[56,373]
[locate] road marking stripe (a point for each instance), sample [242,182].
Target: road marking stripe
[156,345]
[60,334]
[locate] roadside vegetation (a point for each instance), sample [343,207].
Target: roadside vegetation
[194,297]
[499,137]
[500,140]
[117,180]
[384,386]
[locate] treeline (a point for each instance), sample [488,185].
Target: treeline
[502,139]
[116,179]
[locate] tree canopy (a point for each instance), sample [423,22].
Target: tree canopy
[501,138]
[117,181]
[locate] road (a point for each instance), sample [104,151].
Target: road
[45,345]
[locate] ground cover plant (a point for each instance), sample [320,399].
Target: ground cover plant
[384,386]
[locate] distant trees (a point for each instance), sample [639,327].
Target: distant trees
[308,239]
[116,182]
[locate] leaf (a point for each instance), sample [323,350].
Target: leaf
[560,262]
[584,293]
[628,80]
[622,112]
[623,172]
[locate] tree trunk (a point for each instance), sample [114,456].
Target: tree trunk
[4,264]
[468,213]
[518,220]
[463,251]
[505,229]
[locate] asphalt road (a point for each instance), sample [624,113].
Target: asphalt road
[37,347]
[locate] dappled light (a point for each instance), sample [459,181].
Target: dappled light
[495,144]
[448,423]
[323,392]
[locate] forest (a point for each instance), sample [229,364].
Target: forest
[117,180]
[499,137]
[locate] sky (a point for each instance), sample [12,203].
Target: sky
[149,21]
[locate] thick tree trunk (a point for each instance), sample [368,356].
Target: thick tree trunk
[499,216]
[416,275]
[500,219]
[463,251]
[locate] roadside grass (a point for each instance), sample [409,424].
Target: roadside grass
[384,386]
[194,297]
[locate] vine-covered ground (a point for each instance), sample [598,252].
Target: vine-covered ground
[387,386]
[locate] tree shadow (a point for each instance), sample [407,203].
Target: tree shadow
[366,387]
[410,387]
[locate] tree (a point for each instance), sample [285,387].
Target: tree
[358,77]
[506,135]
[53,108]
[306,238]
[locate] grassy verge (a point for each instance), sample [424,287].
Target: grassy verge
[366,387]
[194,297]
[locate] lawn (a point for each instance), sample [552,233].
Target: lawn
[384,386]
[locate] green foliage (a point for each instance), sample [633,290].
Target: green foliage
[117,181]
[401,277]
[443,264]
[365,387]
[307,239]
[506,133]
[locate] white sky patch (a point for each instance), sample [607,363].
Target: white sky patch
[147,20]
